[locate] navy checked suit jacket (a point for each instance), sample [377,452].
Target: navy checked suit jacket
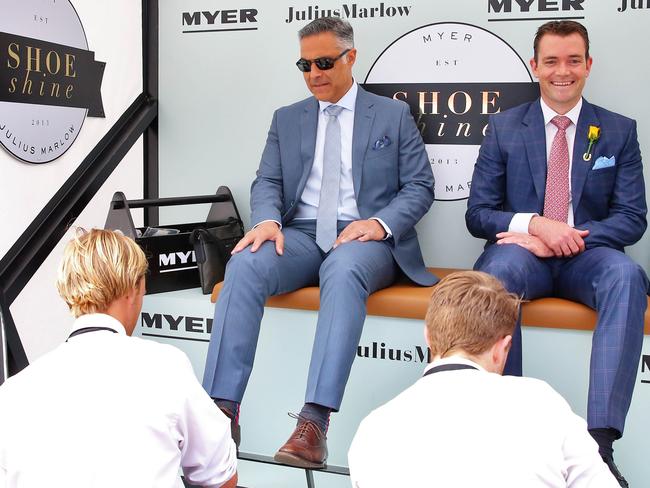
[510,176]
[392,181]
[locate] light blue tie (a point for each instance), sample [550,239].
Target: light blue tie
[328,203]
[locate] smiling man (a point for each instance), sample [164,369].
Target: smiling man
[343,180]
[558,193]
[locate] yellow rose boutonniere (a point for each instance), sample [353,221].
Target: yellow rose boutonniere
[593,135]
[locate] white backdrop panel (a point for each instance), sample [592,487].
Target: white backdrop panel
[114,33]
[219,89]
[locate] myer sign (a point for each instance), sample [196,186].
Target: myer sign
[176,261]
[453,76]
[49,81]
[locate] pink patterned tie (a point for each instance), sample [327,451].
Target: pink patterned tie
[556,196]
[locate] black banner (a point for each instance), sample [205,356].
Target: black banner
[45,73]
[456,113]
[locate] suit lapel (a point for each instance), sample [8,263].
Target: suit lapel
[364,114]
[535,146]
[580,167]
[308,128]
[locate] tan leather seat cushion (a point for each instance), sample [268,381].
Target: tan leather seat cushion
[410,301]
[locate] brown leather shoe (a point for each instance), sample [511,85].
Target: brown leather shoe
[306,448]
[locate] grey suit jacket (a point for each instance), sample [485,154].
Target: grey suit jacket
[392,180]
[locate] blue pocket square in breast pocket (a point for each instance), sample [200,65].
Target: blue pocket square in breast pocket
[381,143]
[603,162]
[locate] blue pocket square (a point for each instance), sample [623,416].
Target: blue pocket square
[603,162]
[382,142]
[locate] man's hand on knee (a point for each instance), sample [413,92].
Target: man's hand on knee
[266,231]
[563,240]
[528,242]
[361,230]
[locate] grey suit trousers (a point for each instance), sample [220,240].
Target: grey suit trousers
[347,275]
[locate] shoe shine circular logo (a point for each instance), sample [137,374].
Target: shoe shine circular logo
[453,76]
[49,81]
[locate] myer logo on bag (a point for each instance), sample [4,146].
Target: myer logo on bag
[461,75]
[176,261]
[49,80]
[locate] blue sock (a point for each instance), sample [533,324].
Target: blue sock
[318,414]
[605,438]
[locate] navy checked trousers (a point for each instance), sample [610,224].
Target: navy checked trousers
[604,279]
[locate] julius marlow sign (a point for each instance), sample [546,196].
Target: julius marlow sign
[49,80]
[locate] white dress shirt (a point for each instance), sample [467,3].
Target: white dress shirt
[105,410]
[520,221]
[470,429]
[307,207]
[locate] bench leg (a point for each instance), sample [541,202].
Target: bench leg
[310,478]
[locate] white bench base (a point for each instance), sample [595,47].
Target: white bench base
[561,357]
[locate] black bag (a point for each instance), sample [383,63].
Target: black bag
[212,248]
[170,254]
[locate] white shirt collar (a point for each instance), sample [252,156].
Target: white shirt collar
[347,101]
[549,113]
[98,320]
[455,359]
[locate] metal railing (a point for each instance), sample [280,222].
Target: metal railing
[309,473]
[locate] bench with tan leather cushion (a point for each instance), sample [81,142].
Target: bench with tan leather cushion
[405,300]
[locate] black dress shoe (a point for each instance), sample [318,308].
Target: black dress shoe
[609,461]
[235,428]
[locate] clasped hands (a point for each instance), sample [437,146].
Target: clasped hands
[359,230]
[547,238]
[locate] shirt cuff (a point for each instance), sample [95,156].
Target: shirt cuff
[520,222]
[269,220]
[389,234]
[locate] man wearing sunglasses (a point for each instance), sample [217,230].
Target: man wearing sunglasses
[343,180]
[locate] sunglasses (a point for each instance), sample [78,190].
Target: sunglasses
[323,64]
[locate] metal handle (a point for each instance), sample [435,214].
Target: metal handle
[171,201]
